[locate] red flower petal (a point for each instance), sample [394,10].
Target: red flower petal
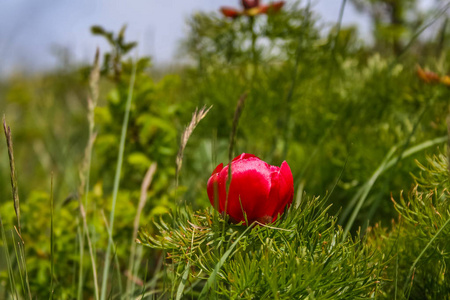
[263,9]
[248,4]
[249,188]
[230,12]
[272,7]
[218,169]
[286,188]
[244,156]
[276,6]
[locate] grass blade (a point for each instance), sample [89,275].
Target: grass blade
[86,166]
[212,278]
[183,282]
[413,266]
[142,200]
[15,195]
[117,180]
[15,190]
[12,281]
[387,163]
[86,230]
[116,260]
[51,240]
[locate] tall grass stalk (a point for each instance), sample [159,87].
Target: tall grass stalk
[408,280]
[156,274]
[79,244]
[287,130]
[91,252]
[19,262]
[234,128]
[14,187]
[86,167]
[142,200]
[197,116]
[145,279]
[52,261]
[12,281]
[15,195]
[386,164]
[116,260]
[448,143]
[24,264]
[441,11]
[117,180]
[334,46]
[405,145]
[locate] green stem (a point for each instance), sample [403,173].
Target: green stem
[405,287]
[117,180]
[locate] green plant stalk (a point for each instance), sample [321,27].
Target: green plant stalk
[14,187]
[374,206]
[287,123]
[80,276]
[212,277]
[91,254]
[15,195]
[440,12]
[159,265]
[385,165]
[253,50]
[116,260]
[363,192]
[24,263]
[117,180]
[12,281]
[237,116]
[183,281]
[92,103]
[335,41]
[186,272]
[142,200]
[145,279]
[411,270]
[51,240]
[19,262]
[396,263]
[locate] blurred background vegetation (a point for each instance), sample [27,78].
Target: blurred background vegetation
[323,100]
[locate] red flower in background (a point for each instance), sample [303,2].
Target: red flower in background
[427,76]
[431,77]
[251,8]
[260,190]
[247,4]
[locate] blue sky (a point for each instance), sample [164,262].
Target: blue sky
[30,29]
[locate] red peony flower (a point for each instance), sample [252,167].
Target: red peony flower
[260,190]
[252,8]
[248,4]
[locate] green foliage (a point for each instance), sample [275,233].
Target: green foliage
[417,245]
[152,129]
[321,99]
[313,101]
[298,257]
